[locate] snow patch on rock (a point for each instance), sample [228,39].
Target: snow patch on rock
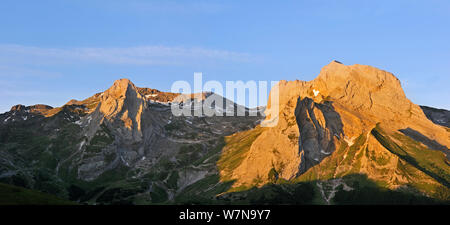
[316,92]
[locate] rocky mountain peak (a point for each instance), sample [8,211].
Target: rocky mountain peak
[39,108]
[123,82]
[120,88]
[336,75]
[376,93]
[365,89]
[121,107]
[349,121]
[338,108]
[18,107]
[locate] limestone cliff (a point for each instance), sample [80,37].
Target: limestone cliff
[326,130]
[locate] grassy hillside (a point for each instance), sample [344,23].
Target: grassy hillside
[13,195]
[235,150]
[431,162]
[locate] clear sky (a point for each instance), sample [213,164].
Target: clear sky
[53,51]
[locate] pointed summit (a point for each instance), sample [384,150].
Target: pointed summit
[122,82]
[119,88]
[121,107]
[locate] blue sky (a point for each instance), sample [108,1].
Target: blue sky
[53,51]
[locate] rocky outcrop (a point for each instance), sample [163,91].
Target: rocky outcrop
[438,116]
[320,128]
[326,123]
[36,109]
[124,134]
[123,106]
[156,95]
[349,120]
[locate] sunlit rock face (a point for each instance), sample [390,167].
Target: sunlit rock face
[350,120]
[124,106]
[326,120]
[125,135]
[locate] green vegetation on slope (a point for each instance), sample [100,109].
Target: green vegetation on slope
[235,150]
[431,162]
[39,149]
[366,192]
[158,194]
[101,140]
[203,191]
[211,191]
[344,156]
[13,195]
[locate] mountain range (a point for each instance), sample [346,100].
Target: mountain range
[350,136]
